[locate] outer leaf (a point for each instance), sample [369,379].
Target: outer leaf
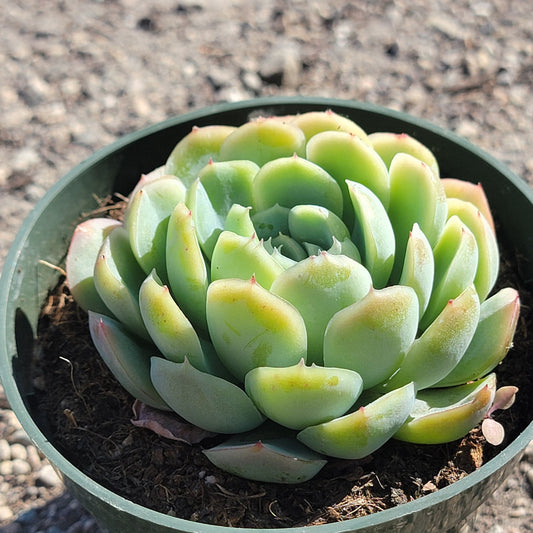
[489,256]
[81,257]
[299,396]
[204,400]
[291,181]
[195,150]
[238,220]
[126,357]
[168,327]
[146,220]
[243,257]
[387,145]
[419,267]
[372,233]
[445,415]
[417,195]
[251,327]
[456,262]
[362,432]
[263,140]
[187,271]
[346,156]
[492,340]
[433,355]
[271,461]
[470,192]
[314,122]
[372,335]
[333,280]
[117,278]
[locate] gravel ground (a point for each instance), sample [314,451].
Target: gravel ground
[77,75]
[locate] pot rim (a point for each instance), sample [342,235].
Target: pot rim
[514,448]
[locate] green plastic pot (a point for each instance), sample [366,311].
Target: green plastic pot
[45,235]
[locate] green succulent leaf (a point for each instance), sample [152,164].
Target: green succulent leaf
[117,278]
[239,221]
[169,328]
[290,181]
[271,221]
[289,247]
[418,269]
[251,327]
[335,281]
[416,195]
[358,434]
[127,358]
[187,270]
[489,255]
[202,399]
[438,350]
[263,140]
[346,156]
[492,340]
[372,233]
[273,460]
[448,414]
[456,263]
[388,144]
[146,220]
[299,396]
[372,335]
[195,150]
[240,257]
[314,122]
[85,245]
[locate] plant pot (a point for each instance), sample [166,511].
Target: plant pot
[45,235]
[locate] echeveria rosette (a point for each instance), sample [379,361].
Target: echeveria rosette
[305,287]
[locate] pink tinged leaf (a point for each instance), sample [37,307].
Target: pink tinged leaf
[167,425]
[492,431]
[504,398]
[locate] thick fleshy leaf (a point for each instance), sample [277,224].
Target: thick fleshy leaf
[456,262]
[83,251]
[251,327]
[240,257]
[316,224]
[492,340]
[433,355]
[195,150]
[418,269]
[127,358]
[416,195]
[291,181]
[202,399]
[272,460]
[345,247]
[489,255]
[372,233]
[358,434]
[387,145]
[238,220]
[470,192]
[289,247]
[271,222]
[372,335]
[118,278]
[169,328]
[346,156]
[263,140]
[299,396]
[319,287]
[146,220]
[314,122]
[155,174]
[445,415]
[187,271]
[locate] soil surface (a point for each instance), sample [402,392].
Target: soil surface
[77,75]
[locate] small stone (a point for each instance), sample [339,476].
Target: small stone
[34,459]
[47,476]
[18,451]
[6,468]
[20,467]
[529,476]
[5,450]
[20,436]
[5,513]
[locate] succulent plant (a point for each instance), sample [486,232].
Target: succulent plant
[308,289]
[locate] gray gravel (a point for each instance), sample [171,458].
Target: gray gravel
[77,75]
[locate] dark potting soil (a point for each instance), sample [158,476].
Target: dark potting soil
[89,417]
